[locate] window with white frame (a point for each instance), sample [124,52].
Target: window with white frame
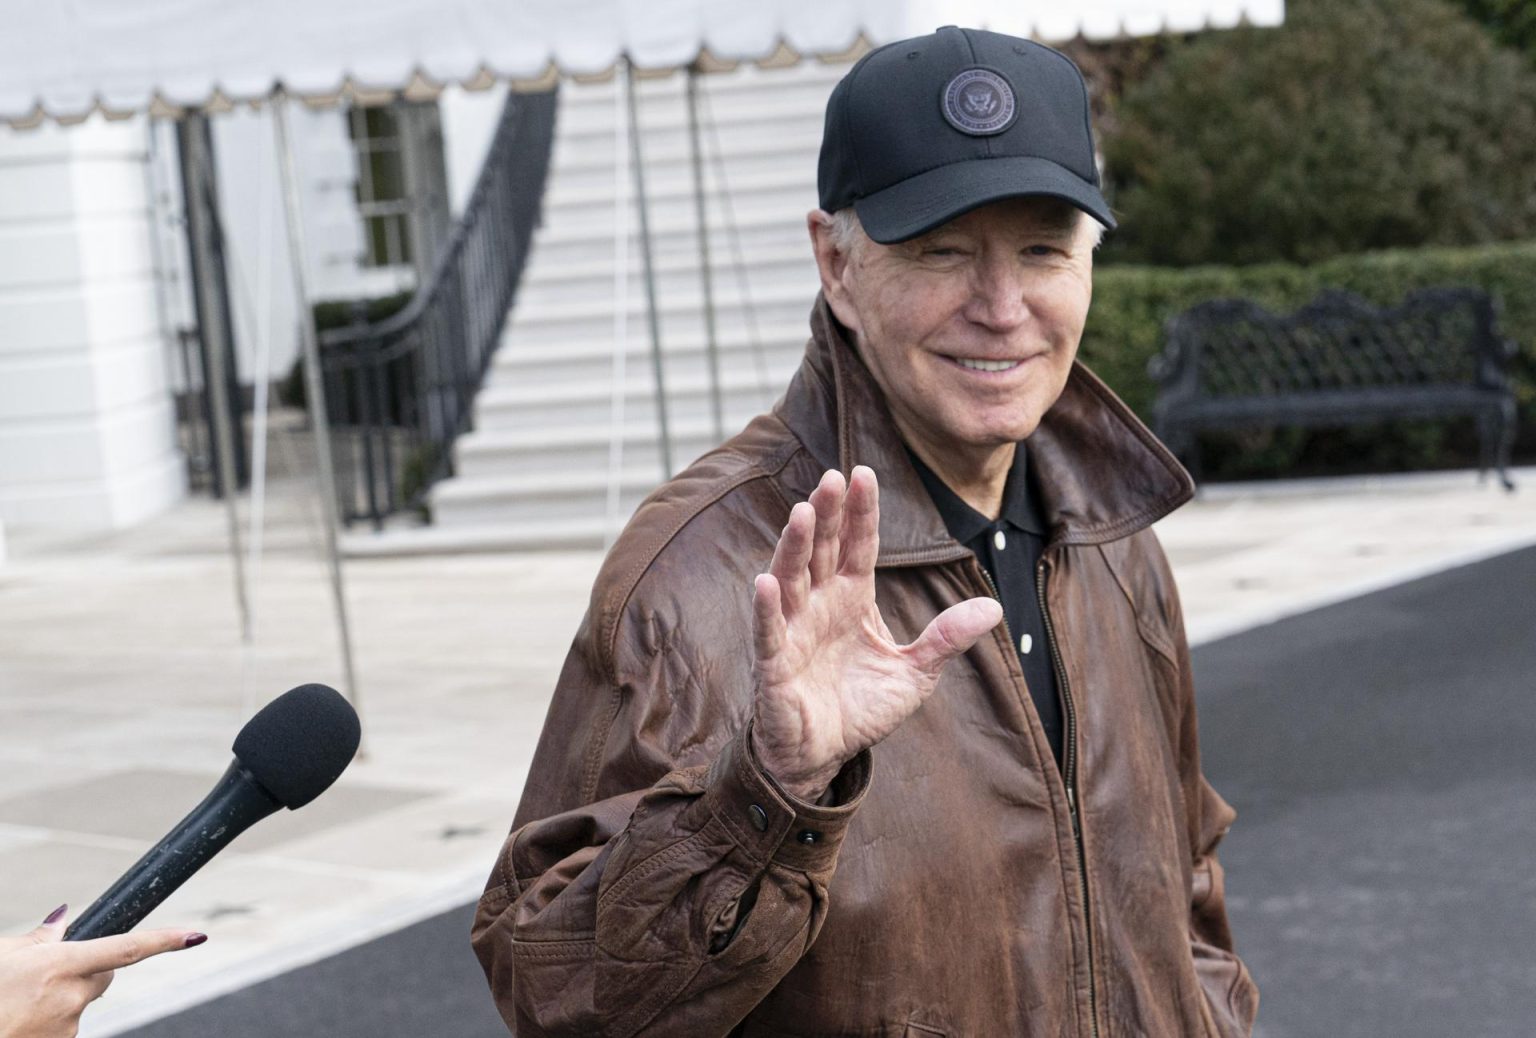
[382,191]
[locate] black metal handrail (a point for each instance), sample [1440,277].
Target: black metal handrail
[399,392]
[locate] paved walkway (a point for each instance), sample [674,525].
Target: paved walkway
[123,679]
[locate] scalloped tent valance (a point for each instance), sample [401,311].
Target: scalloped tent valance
[68,60]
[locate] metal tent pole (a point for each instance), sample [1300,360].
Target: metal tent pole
[210,293]
[642,207]
[706,271]
[314,388]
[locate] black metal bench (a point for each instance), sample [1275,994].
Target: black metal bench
[1230,363]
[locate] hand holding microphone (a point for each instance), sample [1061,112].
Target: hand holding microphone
[46,984]
[285,756]
[288,754]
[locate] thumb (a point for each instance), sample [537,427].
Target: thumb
[954,631]
[51,929]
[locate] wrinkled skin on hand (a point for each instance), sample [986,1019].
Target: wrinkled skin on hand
[831,681]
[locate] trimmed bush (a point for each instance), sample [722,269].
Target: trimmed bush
[1355,126]
[1132,303]
[1512,22]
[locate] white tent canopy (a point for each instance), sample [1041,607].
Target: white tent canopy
[66,60]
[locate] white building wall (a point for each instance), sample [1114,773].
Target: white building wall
[469,122]
[94,285]
[86,430]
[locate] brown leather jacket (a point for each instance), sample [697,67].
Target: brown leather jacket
[657,882]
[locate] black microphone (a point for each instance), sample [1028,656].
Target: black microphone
[285,756]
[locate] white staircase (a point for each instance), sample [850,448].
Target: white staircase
[542,467]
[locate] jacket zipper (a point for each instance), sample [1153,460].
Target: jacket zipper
[1069,779]
[1068,772]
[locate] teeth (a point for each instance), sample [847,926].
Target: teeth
[987,365]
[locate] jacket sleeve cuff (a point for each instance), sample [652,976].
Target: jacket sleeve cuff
[772,825]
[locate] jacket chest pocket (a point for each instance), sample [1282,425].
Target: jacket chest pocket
[923,1031]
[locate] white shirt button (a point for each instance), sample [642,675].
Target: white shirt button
[1026,642]
[999,540]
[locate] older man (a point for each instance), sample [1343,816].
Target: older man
[829,758]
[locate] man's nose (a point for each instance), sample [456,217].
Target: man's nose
[999,297]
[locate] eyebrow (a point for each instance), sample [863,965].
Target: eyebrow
[1061,221]
[1063,229]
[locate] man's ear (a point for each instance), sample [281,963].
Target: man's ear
[832,264]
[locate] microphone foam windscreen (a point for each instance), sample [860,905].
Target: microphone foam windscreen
[299,743]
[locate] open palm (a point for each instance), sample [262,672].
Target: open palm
[831,680]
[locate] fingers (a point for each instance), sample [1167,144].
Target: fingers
[768,628]
[793,555]
[952,632]
[861,523]
[110,953]
[827,499]
[836,532]
[50,930]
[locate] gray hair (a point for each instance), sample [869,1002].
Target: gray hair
[847,231]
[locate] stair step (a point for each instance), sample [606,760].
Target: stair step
[534,473]
[747,238]
[768,366]
[586,534]
[677,320]
[771,298]
[498,452]
[592,283]
[677,218]
[742,84]
[528,356]
[664,114]
[598,266]
[538,497]
[738,143]
[794,168]
[689,399]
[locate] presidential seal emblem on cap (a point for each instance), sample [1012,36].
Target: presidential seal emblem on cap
[978,101]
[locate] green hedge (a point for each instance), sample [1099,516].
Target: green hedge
[1131,304]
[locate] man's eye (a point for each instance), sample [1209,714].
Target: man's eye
[941,252]
[1040,250]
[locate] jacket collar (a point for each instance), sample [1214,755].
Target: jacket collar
[1101,474]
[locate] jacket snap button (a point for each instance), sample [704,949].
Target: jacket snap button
[759,818]
[808,836]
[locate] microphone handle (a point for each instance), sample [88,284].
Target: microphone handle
[232,807]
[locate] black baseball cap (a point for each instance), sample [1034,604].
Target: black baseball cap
[923,130]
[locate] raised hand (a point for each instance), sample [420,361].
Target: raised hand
[831,680]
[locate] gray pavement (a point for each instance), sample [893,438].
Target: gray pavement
[123,680]
[1379,754]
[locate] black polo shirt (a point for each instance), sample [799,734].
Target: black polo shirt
[1009,549]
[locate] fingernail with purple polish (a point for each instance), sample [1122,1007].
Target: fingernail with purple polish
[55,915]
[193,940]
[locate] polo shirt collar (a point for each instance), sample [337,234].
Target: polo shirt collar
[964,522]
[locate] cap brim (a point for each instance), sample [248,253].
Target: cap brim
[921,203]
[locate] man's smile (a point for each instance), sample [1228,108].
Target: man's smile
[987,366]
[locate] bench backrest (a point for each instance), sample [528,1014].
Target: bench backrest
[1234,347]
